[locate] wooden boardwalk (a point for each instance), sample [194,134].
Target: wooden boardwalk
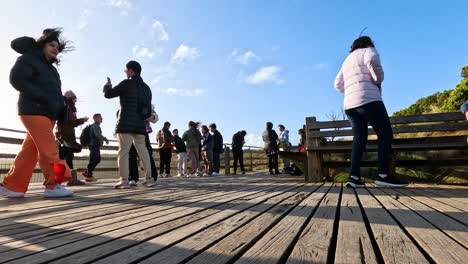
[237,219]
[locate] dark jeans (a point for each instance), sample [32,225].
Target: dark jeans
[165,156]
[94,158]
[273,163]
[238,156]
[216,162]
[375,114]
[67,155]
[133,162]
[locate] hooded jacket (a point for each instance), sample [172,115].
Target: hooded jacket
[66,132]
[37,81]
[129,120]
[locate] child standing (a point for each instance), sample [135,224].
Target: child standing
[95,144]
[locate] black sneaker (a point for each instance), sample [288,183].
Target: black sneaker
[353,183]
[390,182]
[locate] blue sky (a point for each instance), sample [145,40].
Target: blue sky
[240,63]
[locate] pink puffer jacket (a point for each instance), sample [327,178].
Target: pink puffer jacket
[360,77]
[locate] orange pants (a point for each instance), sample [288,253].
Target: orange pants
[39,144]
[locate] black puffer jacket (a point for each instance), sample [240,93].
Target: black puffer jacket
[218,142]
[129,119]
[238,141]
[37,81]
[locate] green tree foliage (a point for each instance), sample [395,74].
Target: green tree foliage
[464,72]
[457,97]
[426,105]
[446,101]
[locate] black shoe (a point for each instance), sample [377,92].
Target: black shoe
[355,183]
[242,172]
[390,181]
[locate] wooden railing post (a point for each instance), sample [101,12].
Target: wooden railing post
[251,159]
[227,168]
[314,158]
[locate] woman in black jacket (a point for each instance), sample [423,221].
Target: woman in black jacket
[270,138]
[40,105]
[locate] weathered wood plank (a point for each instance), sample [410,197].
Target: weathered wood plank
[396,247]
[438,117]
[354,244]
[36,233]
[167,207]
[315,241]
[396,130]
[181,251]
[234,245]
[208,216]
[274,245]
[402,147]
[452,228]
[440,247]
[447,209]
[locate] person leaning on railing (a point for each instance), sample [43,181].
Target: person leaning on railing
[464,109]
[40,105]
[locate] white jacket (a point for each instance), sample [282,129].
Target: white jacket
[360,77]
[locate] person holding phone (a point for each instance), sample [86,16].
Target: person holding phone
[134,95]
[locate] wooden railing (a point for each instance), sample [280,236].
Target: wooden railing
[254,157]
[412,133]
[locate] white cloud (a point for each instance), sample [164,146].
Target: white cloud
[144,52]
[254,140]
[159,32]
[182,92]
[83,19]
[123,5]
[247,57]
[265,75]
[185,54]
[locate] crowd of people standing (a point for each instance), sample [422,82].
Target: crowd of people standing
[42,106]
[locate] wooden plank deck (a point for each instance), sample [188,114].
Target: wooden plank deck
[237,219]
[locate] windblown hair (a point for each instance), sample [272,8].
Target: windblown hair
[362,43]
[193,124]
[54,34]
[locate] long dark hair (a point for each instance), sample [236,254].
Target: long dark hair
[54,34]
[362,43]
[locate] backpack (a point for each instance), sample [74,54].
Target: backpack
[85,137]
[144,101]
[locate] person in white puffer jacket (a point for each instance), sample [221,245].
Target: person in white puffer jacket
[360,79]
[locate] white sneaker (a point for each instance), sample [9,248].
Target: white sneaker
[122,185]
[149,182]
[206,175]
[193,175]
[10,194]
[58,191]
[132,183]
[163,175]
[179,175]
